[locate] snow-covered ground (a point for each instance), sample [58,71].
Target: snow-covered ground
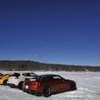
[88,88]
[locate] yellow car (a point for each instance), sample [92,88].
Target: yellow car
[4,79]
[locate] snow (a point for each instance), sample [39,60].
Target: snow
[88,88]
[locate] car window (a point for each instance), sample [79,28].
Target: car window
[1,74]
[29,74]
[57,78]
[26,74]
[16,74]
[32,74]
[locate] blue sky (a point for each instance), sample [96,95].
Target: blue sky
[50,31]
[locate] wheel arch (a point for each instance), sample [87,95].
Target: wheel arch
[20,84]
[47,86]
[5,81]
[46,89]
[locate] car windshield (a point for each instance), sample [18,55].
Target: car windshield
[16,74]
[29,74]
[33,74]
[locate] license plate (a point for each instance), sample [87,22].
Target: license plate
[26,87]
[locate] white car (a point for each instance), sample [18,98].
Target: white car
[17,79]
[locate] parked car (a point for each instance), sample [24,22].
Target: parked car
[4,78]
[47,85]
[17,79]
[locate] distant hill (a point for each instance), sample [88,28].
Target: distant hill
[37,66]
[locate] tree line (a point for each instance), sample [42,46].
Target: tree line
[37,66]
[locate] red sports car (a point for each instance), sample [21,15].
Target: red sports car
[48,84]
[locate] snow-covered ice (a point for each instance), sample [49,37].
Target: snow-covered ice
[88,88]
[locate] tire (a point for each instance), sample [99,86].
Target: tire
[5,82]
[12,86]
[47,91]
[20,85]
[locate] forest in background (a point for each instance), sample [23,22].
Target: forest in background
[22,65]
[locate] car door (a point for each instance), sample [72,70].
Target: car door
[57,83]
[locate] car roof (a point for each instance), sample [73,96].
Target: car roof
[23,73]
[46,75]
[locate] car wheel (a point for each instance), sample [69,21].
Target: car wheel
[5,82]
[47,91]
[11,86]
[20,85]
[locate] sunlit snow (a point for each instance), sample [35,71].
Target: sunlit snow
[88,88]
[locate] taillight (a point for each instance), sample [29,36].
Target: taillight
[34,83]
